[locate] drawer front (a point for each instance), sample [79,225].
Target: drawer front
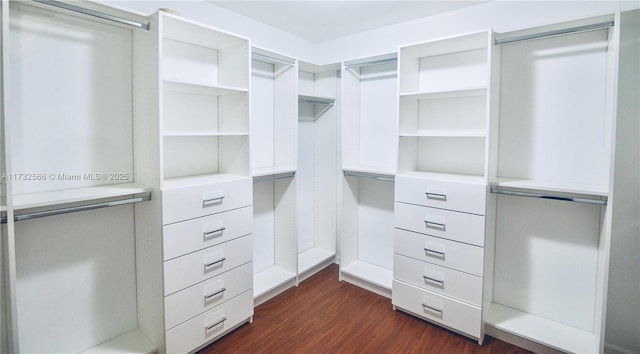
[458,196]
[451,313]
[191,202]
[210,325]
[204,296]
[193,235]
[445,253]
[463,227]
[182,272]
[458,285]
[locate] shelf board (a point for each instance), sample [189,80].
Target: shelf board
[588,190]
[204,134]
[269,279]
[438,95]
[270,171]
[201,88]
[445,177]
[313,257]
[371,273]
[188,181]
[316,99]
[389,172]
[550,333]
[447,134]
[132,342]
[76,195]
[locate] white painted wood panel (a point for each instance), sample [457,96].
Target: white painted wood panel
[375,218]
[262,114]
[442,193]
[264,226]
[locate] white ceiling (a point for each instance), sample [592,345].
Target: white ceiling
[320,21]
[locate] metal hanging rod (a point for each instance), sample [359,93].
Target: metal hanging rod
[273,177]
[370,175]
[60,211]
[269,59]
[595,201]
[94,13]
[315,100]
[370,63]
[529,37]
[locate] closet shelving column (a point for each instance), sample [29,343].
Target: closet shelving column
[369,145]
[317,173]
[72,154]
[205,181]
[550,175]
[441,183]
[274,126]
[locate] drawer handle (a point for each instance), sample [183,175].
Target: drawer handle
[436,194]
[207,265]
[433,280]
[208,233]
[207,297]
[436,252]
[217,323]
[437,225]
[212,200]
[432,308]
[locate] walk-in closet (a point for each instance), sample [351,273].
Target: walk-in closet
[204,176]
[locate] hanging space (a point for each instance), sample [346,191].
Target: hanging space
[317,175]
[551,185]
[368,126]
[274,127]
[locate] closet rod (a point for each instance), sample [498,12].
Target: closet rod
[52,212]
[93,13]
[370,63]
[311,100]
[268,59]
[273,177]
[497,190]
[375,176]
[528,37]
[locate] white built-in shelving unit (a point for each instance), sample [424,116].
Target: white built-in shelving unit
[317,172]
[369,113]
[274,122]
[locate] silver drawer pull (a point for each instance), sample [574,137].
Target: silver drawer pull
[207,297]
[215,324]
[436,252]
[208,233]
[207,265]
[437,225]
[212,200]
[433,279]
[432,308]
[436,195]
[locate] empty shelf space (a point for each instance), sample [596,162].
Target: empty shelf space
[454,93]
[201,88]
[312,258]
[447,133]
[181,182]
[272,171]
[132,342]
[553,334]
[371,273]
[77,195]
[446,177]
[269,279]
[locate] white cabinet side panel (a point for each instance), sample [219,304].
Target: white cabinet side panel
[375,239]
[305,176]
[263,226]
[262,114]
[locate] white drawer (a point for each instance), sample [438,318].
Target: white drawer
[192,235]
[450,254]
[463,227]
[187,303]
[194,201]
[451,313]
[458,196]
[458,285]
[182,272]
[193,334]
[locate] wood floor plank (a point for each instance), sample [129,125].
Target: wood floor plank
[324,315]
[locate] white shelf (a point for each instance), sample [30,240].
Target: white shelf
[269,279]
[454,93]
[551,186]
[445,177]
[371,170]
[180,182]
[550,333]
[313,257]
[201,88]
[43,199]
[269,171]
[205,134]
[447,134]
[316,99]
[132,342]
[371,273]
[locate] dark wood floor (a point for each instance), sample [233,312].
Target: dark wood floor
[324,315]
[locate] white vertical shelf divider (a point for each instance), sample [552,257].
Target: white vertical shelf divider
[368,144]
[274,135]
[317,171]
